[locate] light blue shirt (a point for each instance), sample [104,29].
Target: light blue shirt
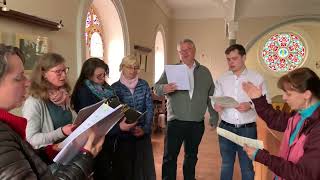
[305,113]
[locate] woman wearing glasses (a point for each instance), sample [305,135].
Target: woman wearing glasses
[134,156]
[17,158]
[91,87]
[47,109]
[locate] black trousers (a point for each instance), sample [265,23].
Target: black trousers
[126,159]
[103,167]
[177,133]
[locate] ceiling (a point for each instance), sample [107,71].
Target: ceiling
[236,9]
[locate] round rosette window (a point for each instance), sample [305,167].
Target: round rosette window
[283,52]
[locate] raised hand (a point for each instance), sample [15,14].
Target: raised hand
[252,90]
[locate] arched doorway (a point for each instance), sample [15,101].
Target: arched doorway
[159,53]
[112,35]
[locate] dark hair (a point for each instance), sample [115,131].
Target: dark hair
[87,71]
[5,52]
[39,84]
[239,47]
[301,80]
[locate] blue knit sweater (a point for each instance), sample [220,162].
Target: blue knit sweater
[140,100]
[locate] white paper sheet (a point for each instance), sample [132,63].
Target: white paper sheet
[178,74]
[101,121]
[85,112]
[224,101]
[240,140]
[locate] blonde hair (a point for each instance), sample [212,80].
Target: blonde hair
[39,85]
[129,60]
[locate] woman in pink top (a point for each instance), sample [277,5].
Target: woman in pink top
[300,147]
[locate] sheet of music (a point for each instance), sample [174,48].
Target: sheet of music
[225,101]
[178,74]
[100,121]
[240,140]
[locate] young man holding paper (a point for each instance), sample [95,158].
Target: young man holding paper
[186,109]
[240,119]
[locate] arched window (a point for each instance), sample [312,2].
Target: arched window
[159,56]
[283,52]
[93,34]
[96,45]
[106,34]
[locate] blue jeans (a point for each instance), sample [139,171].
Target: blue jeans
[228,151]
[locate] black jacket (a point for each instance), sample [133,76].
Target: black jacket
[18,160]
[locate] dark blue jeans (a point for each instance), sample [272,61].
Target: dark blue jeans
[178,132]
[228,151]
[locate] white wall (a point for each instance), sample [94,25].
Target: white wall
[143,17]
[209,38]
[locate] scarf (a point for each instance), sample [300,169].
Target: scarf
[129,83]
[60,98]
[101,91]
[16,123]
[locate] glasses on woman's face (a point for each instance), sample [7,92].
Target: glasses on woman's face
[102,75]
[59,72]
[135,68]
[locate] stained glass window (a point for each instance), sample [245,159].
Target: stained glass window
[283,52]
[93,37]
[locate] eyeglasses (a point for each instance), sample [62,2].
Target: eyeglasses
[184,50]
[60,71]
[136,68]
[102,75]
[21,78]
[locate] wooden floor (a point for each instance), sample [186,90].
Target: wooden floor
[209,162]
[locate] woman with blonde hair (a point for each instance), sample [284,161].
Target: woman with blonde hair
[47,109]
[134,156]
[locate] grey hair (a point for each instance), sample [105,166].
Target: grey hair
[5,52]
[189,41]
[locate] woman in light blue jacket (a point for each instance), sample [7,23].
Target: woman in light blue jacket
[134,155]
